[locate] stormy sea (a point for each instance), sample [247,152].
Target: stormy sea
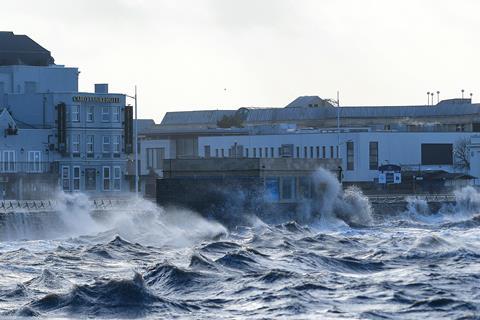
[347,262]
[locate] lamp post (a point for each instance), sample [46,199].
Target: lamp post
[135,141]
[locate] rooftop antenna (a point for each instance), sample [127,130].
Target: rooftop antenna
[438,97]
[463,90]
[338,111]
[433,94]
[428,98]
[471,97]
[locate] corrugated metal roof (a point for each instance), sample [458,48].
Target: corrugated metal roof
[210,117]
[195,117]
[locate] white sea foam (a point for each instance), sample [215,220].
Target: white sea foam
[332,203]
[139,221]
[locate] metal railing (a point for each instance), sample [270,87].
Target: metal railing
[28,167]
[12,206]
[386,199]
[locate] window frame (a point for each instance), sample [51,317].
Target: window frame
[116,142]
[115,114]
[106,179]
[75,113]
[90,114]
[373,155]
[350,155]
[90,143]
[117,180]
[106,112]
[76,143]
[104,144]
[76,178]
[66,186]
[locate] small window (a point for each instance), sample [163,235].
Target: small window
[324,152]
[288,188]
[304,189]
[311,152]
[105,114]
[90,114]
[155,158]
[106,178]
[116,178]
[272,189]
[259,152]
[116,144]
[318,152]
[75,113]
[116,114]
[76,178]
[331,152]
[65,178]
[246,153]
[90,145]
[254,152]
[373,155]
[216,153]
[350,156]
[30,87]
[34,161]
[305,154]
[106,144]
[76,143]
[206,151]
[272,152]
[298,152]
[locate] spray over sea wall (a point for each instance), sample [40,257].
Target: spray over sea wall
[350,205]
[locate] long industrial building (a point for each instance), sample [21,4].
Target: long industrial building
[437,143]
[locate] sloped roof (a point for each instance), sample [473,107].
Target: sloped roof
[6,119]
[210,117]
[21,50]
[195,117]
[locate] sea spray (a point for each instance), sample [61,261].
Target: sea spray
[138,220]
[332,203]
[417,206]
[144,222]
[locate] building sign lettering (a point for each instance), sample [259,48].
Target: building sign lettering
[96,99]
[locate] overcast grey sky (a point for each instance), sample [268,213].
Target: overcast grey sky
[182,54]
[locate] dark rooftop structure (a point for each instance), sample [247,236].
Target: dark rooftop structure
[21,50]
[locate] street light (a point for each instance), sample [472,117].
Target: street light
[136,141]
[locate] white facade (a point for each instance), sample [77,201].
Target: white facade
[401,148]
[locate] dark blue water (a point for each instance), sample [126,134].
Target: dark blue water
[403,268]
[155,264]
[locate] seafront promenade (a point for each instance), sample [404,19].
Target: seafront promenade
[8,206]
[381,200]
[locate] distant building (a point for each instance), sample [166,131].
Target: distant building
[422,140]
[85,136]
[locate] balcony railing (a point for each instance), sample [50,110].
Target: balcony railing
[28,167]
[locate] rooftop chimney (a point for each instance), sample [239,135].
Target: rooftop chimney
[101,87]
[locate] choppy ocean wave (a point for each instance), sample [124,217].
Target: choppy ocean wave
[156,264]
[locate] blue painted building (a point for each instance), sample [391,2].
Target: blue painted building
[86,137]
